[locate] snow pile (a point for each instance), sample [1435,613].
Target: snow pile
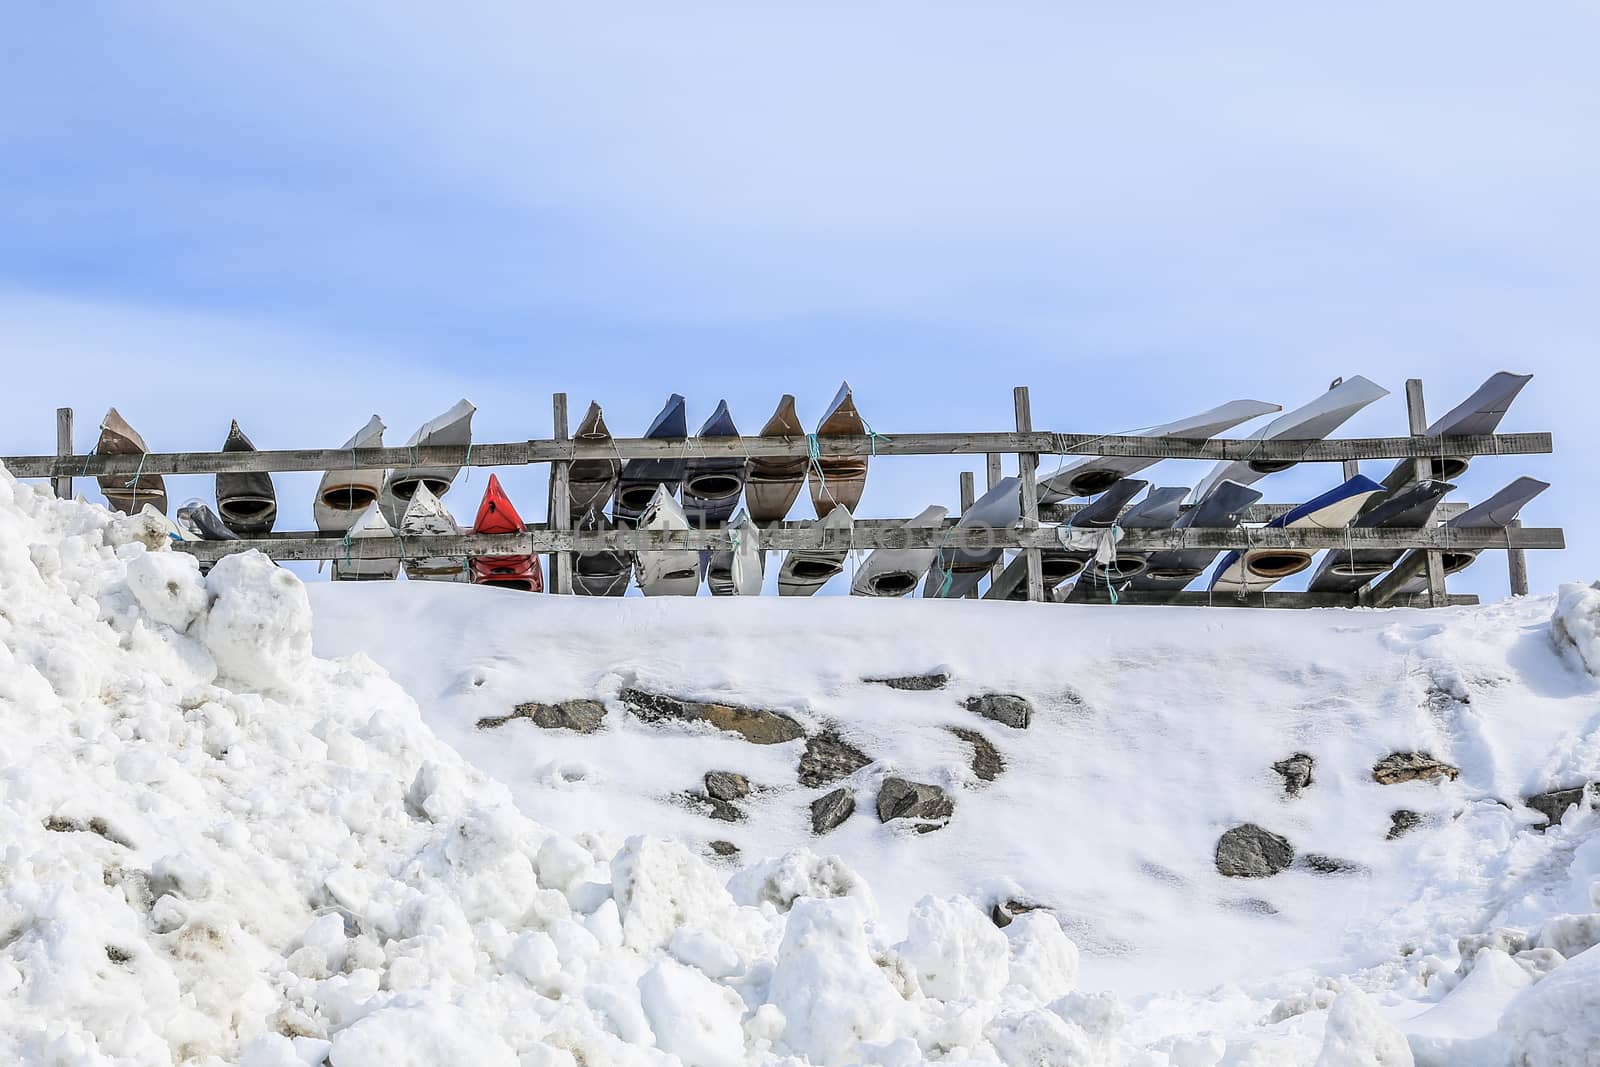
[216,847]
[1576,623]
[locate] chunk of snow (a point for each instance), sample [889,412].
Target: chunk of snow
[1359,1035]
[1576,623]
[692,1016]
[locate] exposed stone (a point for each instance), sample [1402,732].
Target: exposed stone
[1321,864]
[1296,772]
[828,758]
[726,785]
[1250,906]
[1008,709]
[987,762]
[718,809]
[1554,804]
[1248,851]
[580,716]
[725,848]
[756,725]
[1402,822]
[919,683]
[1004,911]
[902,799]
[832,809]
[1400,767]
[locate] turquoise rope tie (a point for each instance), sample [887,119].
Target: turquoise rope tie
[134,482]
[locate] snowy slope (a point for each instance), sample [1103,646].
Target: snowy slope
[219,847]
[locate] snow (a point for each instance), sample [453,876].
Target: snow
[244,822]
[1576,623]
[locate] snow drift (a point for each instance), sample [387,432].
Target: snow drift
[217,847]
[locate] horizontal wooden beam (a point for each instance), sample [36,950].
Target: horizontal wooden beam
[913,444]
[1254,513]
[539,539]
[1270,599]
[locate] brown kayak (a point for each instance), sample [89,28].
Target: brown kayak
[246,502]
[774,481]
[590,482]
[842,478]
[123,492]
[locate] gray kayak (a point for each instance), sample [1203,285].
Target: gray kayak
[344,493]
[247,502]
[805,570]
[1412,508]
[639,479]
[1159,510]
[127,493]
[1311,422]
[1495,513]
[896,571]
[1223,508]
[453,427]
[1059,564]
[1477,414]
[957,571]
[1092,475]
[590,482]
[712,485]
[599,573]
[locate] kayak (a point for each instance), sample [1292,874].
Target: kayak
[1258,570]
[1412,508]
[773,482]
[957,571]
[344,494]
[599,573]
[669,572]
[712,485]
[426,515]
[1159,510]
[370,523]
[739,570]
[590,482]
[453,427]
[496,515]
[246,502]
[805,570]
[1477,414]
[1222,509]
[197,522]
[1495,513]
[127,493]
[1092,475]
[838,481]
[1059,564]
[896,571]
[637,484]
[1312,422]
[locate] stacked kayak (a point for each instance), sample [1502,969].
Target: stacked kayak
[425,516]
[896,571]
[497,516]
[1496,513]
[839,481]
[343,494]
[738,570]
[637,484]
[247,502]
[1222,509]
[805,570]
[590,486]
[1412,508]
[352,568]
[1059,564]
[957,571]
[712,485]
[773,482]
[453,427]
[670,572]
[1159,510]
[124,492]
[1258,570]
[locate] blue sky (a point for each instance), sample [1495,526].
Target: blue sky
[298,219]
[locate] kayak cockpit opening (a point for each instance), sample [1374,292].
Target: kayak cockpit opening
[1358,569]
[1093,482]
[349,497]
[1271,466]
[714,486]
[1174,574]
[894,583]
[1277,564]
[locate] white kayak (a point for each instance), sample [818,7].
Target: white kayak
[1312,422]
[1092,475]
[344,493]
[896,571]
[805,570]
[957,571]
[671,572]
[370,523]
[1479,413]
[1056,565]
[453,427]
[1495,513]
[426,515]
[739,570]
[1258,570]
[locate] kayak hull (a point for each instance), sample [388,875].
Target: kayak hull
[893,572]
[452,427]
[1259,570]
[805,570]
[128,493]
[839,481]
[426,516]
[639,478]
[343,495]
[246,503]
[591,482]
[772,483]
[712,485]
[497,515]
[671,572]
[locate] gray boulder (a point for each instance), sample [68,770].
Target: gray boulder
[828,758]
[756,725]
[832,809]
[919,801]
[1402,822]
[1248,851]
[987,763]
[579,716]
[1296,772]
[918,683]
[725,785]
[1008,709]
[1554,804]
[1400,767]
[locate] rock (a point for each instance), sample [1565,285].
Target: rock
[901,799]
[987,762]
[580,716]
[725,848]
[828,758]
[717,808]
[832,809]
[1008,709]
[1412,766]
[756,725]
[1321,864]
[1250,906]
[725,785]
[919,683]
[1003,912]
[1296,771]
[1554,804]
[1507,939]
[1402,822]
[1248,851]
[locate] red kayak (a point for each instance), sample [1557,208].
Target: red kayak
[497,516]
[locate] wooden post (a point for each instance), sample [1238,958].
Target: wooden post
[560,511]
[63,482]
[1417,415]
[1026,468]
[1517,561]
[991,474]
[968,495]
[1352,467]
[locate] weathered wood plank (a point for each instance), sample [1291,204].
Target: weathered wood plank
[1417,419]
[560,517]
[541,539]
[1517,566]
[1275,600]
[1028,468]
[63,482]
[1253,514]
[517,453]
[969,493]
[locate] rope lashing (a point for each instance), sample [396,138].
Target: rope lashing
[814,451]
[133,501]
